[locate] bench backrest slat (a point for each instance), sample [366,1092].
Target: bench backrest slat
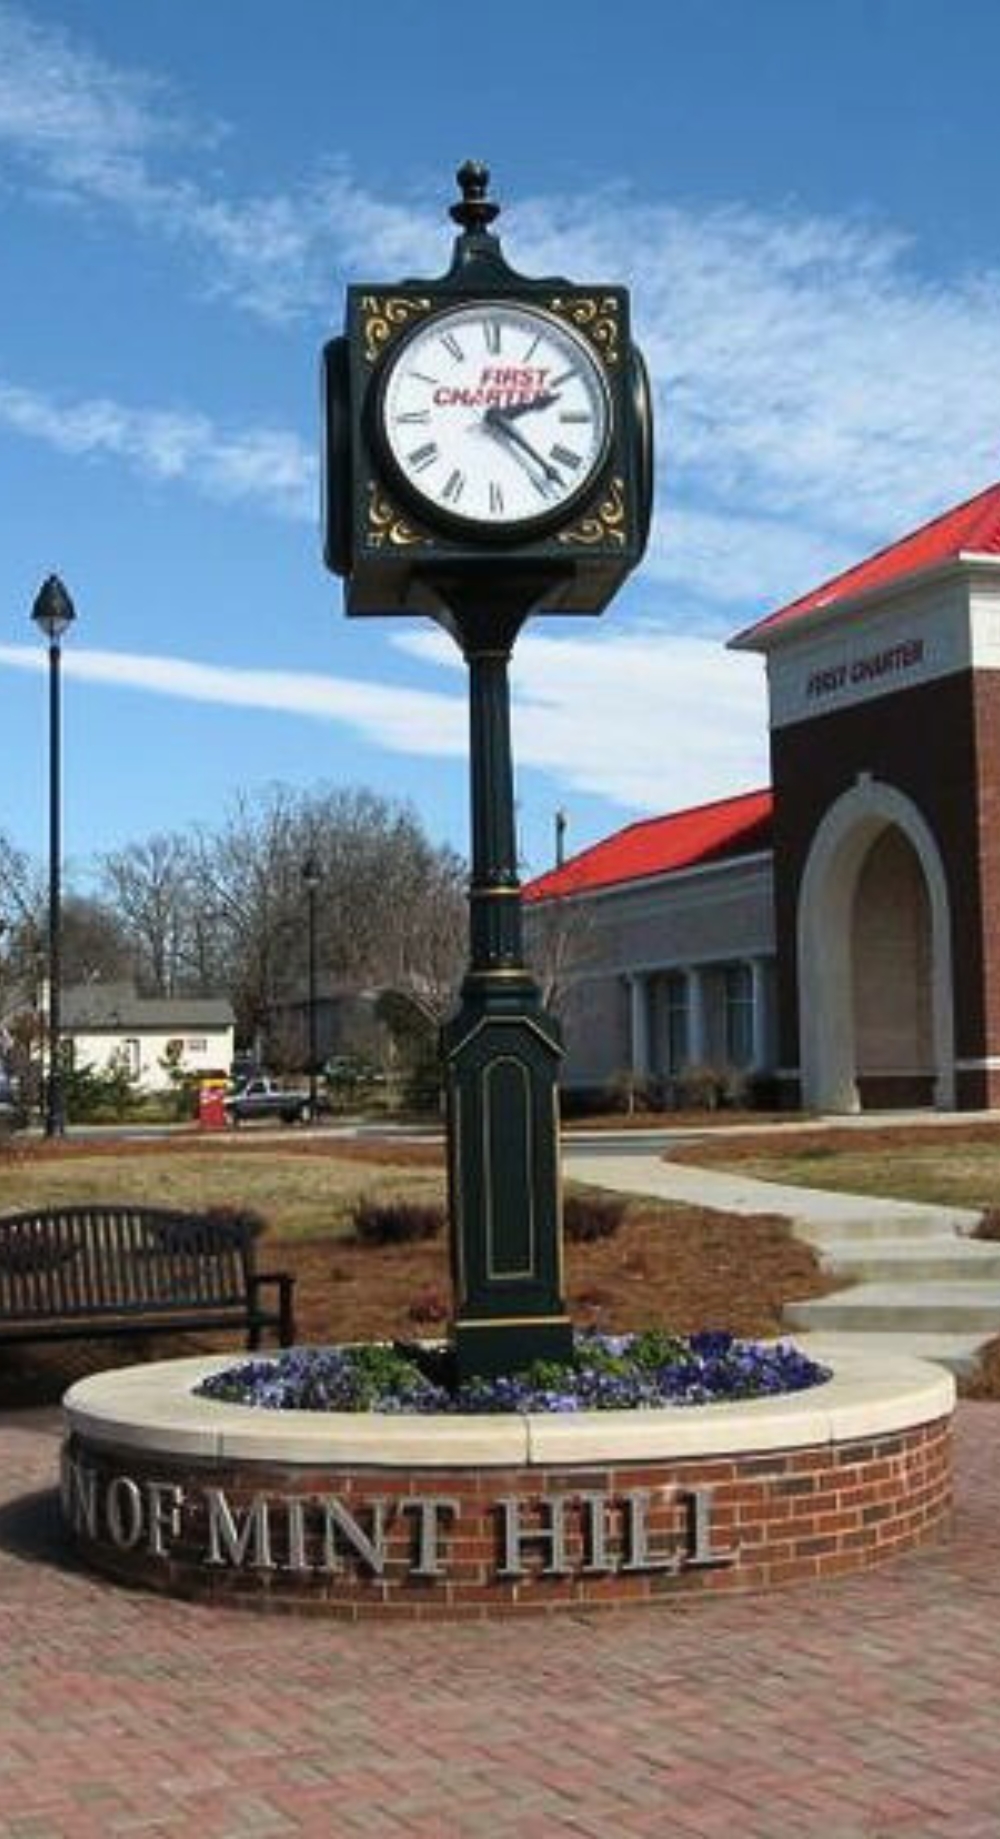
[80,1261]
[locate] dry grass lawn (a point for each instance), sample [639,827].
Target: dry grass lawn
[955,1164]
[301,1190]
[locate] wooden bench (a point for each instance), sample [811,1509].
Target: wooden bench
[96,1270]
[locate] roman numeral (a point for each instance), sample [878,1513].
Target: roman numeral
[564,456]
[496,498]
[532,348]
[414,415]
[452,346]
[491,333]
[423,378]
[422,457]
[563,377]
[454,487]
[577,415]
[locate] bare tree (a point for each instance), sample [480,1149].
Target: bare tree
[390,909]
[561,938]
[151,886]
[21,904]
[95,945]
[94,941]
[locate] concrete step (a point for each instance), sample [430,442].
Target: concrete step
[916,1224]
[958,1352]
[943,1259]
[953,1308]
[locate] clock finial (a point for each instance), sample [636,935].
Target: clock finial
[475,212]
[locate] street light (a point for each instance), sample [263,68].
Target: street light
[53,614]
[310,881]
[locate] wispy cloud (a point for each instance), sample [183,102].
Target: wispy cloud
[270,467]
[593,712]
[644,718]
[817,390]
[88,132]
[69,109]
[412,721]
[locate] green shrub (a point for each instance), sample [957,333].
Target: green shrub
[589,1217]
[97,1097]
[396,1222]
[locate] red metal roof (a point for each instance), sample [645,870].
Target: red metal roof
[659,845]
[972,528]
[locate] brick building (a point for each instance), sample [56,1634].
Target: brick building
[841,932]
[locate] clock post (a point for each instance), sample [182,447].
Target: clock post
[488,458]
[502,1053]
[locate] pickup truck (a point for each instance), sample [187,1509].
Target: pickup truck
[261,1097]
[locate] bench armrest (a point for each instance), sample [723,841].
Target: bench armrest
[284,1283]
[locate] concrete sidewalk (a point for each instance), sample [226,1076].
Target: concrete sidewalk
[661,1179]
[861,1709]
[917,1282]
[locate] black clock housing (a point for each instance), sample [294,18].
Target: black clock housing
[394,548]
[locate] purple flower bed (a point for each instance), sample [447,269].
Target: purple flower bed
[608,1373]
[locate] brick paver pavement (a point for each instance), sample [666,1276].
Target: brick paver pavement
[862,1709]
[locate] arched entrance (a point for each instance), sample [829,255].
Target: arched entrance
[874,957]
[891,962]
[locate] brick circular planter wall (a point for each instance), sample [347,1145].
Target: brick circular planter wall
[460,1517]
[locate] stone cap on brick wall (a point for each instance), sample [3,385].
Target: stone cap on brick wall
[154,1407]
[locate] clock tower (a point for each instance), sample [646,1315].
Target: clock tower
[489,457]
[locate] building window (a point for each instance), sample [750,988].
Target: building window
[676,1007]
[197,1044]
[131,1057]
[739,1014]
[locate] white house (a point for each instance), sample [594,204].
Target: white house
[108,1023]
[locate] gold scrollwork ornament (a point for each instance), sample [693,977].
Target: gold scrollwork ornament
[596,316]
[384,316]
[604,524]
[386,527]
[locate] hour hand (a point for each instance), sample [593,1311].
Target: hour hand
[544,401]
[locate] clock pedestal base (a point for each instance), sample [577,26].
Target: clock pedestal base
[502,1055]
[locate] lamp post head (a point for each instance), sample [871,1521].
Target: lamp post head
[310,874]
[53,611]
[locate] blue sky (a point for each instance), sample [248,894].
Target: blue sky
[802,197]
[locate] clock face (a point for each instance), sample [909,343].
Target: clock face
[495,416]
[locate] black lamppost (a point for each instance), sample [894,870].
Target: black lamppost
[310,881]
[53,614]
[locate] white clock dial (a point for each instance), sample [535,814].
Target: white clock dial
[495,415]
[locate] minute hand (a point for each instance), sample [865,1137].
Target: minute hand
[497,421]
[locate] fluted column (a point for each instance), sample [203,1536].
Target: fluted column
[697,1026]
[639,1030]
[760,1053]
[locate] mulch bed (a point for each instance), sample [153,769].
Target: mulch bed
[683,1270]
[387,1151]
